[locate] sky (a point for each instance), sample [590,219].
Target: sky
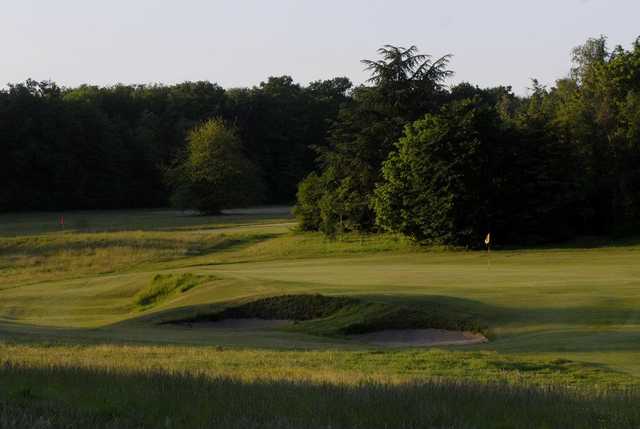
[241,42]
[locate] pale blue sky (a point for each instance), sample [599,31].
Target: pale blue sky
[240,43]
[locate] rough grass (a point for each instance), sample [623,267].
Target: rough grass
[27,259]
[165,286]
[315,244]
[321,365]
[339,316]
[62,397]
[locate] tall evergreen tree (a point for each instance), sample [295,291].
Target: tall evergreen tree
[405,85]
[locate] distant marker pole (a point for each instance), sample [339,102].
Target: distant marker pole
[62,222]
[487,242]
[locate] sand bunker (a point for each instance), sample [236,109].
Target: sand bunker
[419,338]
[385,338]
[244,324]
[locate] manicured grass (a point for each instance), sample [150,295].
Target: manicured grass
[559,317]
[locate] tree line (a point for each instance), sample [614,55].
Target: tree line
[95,147]
[403,152]
[448,165]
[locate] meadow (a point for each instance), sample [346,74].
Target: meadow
[82,343]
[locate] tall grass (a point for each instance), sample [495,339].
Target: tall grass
[330,365]
[59,256]
[63,397]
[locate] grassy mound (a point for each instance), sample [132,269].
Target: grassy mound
[364,317]
[339,316]
[164,286]
[290,307]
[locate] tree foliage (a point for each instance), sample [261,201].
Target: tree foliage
[214,173]
[406,85]
[463,172]
[558,163]
[108,147]
[403,152]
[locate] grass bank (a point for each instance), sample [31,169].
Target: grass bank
[331,316]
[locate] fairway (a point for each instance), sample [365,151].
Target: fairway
[93,297]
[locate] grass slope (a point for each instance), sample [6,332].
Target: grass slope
[166,286]
[338,316]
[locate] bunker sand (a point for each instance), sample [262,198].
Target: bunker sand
[387,337]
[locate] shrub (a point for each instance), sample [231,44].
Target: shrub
[307,209]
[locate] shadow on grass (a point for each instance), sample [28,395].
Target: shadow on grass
[572,329]
[490,316]
[616,312]
[585,328]
[76,398]
[92,221]
[580,243]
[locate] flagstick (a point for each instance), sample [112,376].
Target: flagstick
[487,242]
[488,256]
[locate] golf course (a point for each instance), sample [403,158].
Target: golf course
[298,215]
[105,317]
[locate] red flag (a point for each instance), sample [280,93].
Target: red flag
[62,220]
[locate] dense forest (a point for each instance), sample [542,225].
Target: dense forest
[403,152]
[448,165]
[110,147]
